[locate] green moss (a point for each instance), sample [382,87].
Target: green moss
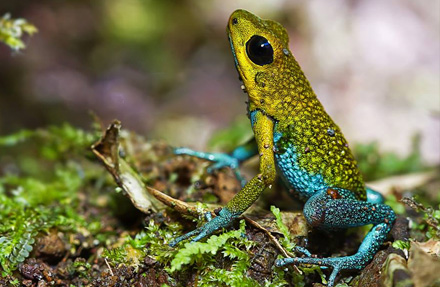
[403,245]
[39,189]
[201,256]
[285,241]
[81,267]
[28,208]
[152,242]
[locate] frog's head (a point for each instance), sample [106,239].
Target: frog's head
[263,60]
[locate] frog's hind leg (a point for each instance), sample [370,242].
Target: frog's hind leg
[337,208]
[374,196]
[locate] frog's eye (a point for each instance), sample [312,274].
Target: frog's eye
[259,50]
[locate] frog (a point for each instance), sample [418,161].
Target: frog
[297,140]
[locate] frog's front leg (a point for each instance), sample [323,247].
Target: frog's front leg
[336,208]
[263,130]
[220,160]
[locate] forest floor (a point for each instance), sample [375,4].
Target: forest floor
[94,208]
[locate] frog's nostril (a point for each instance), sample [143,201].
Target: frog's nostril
[234,21]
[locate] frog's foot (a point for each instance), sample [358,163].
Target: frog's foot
[337,264]
[224,219]
[220,160]
[354,262]
[303,250]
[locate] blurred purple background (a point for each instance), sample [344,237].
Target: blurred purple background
[165,70]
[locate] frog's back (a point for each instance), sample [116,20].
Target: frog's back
[312,153]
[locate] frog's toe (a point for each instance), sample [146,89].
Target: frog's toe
[216,166]
[224,219]
[303,250]
[337,264]
[183,150]
[184,237]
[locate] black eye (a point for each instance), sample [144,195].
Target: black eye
[259,50]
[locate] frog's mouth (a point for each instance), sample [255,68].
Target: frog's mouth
[237,67]
[234,54]
[233,51]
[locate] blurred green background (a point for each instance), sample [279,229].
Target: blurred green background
[165,70]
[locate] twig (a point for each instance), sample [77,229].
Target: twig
[272,238]
[108,265]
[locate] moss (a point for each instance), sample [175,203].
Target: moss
[39,189]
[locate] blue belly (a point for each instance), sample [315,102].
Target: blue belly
[301,183]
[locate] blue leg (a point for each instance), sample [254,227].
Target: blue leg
[303,250]
[221,160]
[263,130]
[325,212]
[224,219]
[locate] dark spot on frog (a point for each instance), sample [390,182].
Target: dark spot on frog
[282,145]
[331,132]
[333,193]
[234,21]
[286,52]
[259,79]
[261,101]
